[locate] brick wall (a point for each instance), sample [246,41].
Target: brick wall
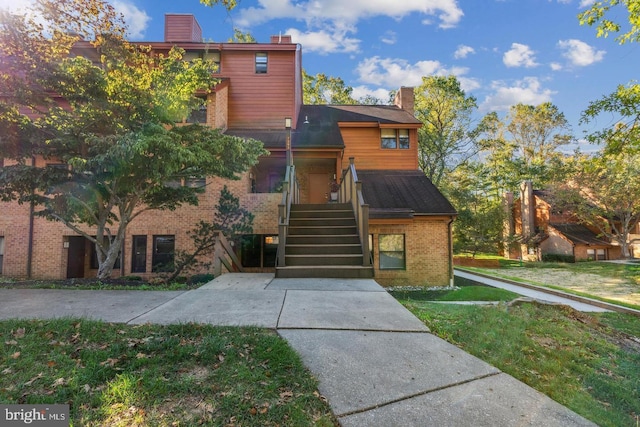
[426,249]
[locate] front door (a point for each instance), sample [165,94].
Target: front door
[75,257]
[318,188]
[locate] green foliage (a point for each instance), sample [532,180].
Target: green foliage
[110,124]
[571,357]
[114,374]
[447,138]
[558,258]
[323,89]
[200,278]
[599,12]
[228,4]
[240,37]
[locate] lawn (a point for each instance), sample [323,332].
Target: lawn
[588,363]
[119,375]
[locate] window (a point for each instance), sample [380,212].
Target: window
[1,252]
[391,251]
[139,254]
[195,182]
[394,138]
[199,115]
[261,63]
[163,252]
[214,57]
[94,257]
[258,250]
[597,254]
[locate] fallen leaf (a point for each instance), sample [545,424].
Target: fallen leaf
[221,358]
[7,371]
[12,342]
[109,362]
[37,377]
[15,355]
[19,333]
[86,388]
[59,382]
[51,363]
[141,356]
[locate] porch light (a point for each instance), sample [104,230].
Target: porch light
[287,122]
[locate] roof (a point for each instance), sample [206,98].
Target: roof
[317,125]
[270,138]
[578,234]
[402,194]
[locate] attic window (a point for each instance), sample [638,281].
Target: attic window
[261,63]
[394,138]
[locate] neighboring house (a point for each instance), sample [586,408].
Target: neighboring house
[538,230]
[403,222]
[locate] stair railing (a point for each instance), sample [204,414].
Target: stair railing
[290,195]
[351,192]
[223,251]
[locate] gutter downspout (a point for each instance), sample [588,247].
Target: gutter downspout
[31,226]
[450,248]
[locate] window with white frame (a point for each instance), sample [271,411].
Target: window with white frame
[391,252]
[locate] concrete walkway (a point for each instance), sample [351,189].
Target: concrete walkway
[377,364]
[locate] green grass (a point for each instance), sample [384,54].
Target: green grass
[582,361]
[466,293]
[184,375]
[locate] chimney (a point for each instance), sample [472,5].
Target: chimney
[404,99]
[181,28]
[280,39]
[527,209]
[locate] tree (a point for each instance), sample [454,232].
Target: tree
[228,4]
[229,218]
[599,11]
[240,37]
[605,194]
[107,125]
[447,138]
[323,89]
[537,132]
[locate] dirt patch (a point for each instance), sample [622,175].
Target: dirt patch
[604,287]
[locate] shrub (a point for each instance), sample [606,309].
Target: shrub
[200,278]
[558,258]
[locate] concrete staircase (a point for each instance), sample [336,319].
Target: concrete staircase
[323,241]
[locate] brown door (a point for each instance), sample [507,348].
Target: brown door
[318,188]
[75,258]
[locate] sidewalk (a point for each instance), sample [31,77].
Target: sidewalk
[376,363]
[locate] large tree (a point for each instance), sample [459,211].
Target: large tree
[447,138]
[323,89]
[107,124]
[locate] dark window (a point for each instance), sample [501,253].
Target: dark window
[258,250]
[199,115]
[261,63]
[391,251]
[394,138]
[195,182]
[163,251]
[94,256]
[139,254]
[403,139]
[1,252]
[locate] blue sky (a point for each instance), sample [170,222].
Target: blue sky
[502,51]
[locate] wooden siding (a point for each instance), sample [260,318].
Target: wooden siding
[182,28]
[364,146]
[260,101]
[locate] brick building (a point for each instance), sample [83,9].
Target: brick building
[404,237]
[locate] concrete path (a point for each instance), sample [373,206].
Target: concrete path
[377,364]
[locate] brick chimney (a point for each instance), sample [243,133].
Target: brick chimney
[181,28]
[286,39]
[404,99]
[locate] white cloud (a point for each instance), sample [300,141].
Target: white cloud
[324,42]
[393,73]
[137,20]
[520,55]
[586,3]
[579,53]
[555,66]
[463,51]
[15,5]
[363,91]
[527,91]
[389,37]
[315,12]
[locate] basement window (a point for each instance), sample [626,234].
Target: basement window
[163,253]
[391,251]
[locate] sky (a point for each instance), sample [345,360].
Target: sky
[503,52]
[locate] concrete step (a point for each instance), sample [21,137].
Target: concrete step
[328,271]
[323,259]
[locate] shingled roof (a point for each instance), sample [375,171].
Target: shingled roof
[402,194]
[578,234]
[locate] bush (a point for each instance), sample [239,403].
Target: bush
[132,278]
[200,278]
[558,258]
